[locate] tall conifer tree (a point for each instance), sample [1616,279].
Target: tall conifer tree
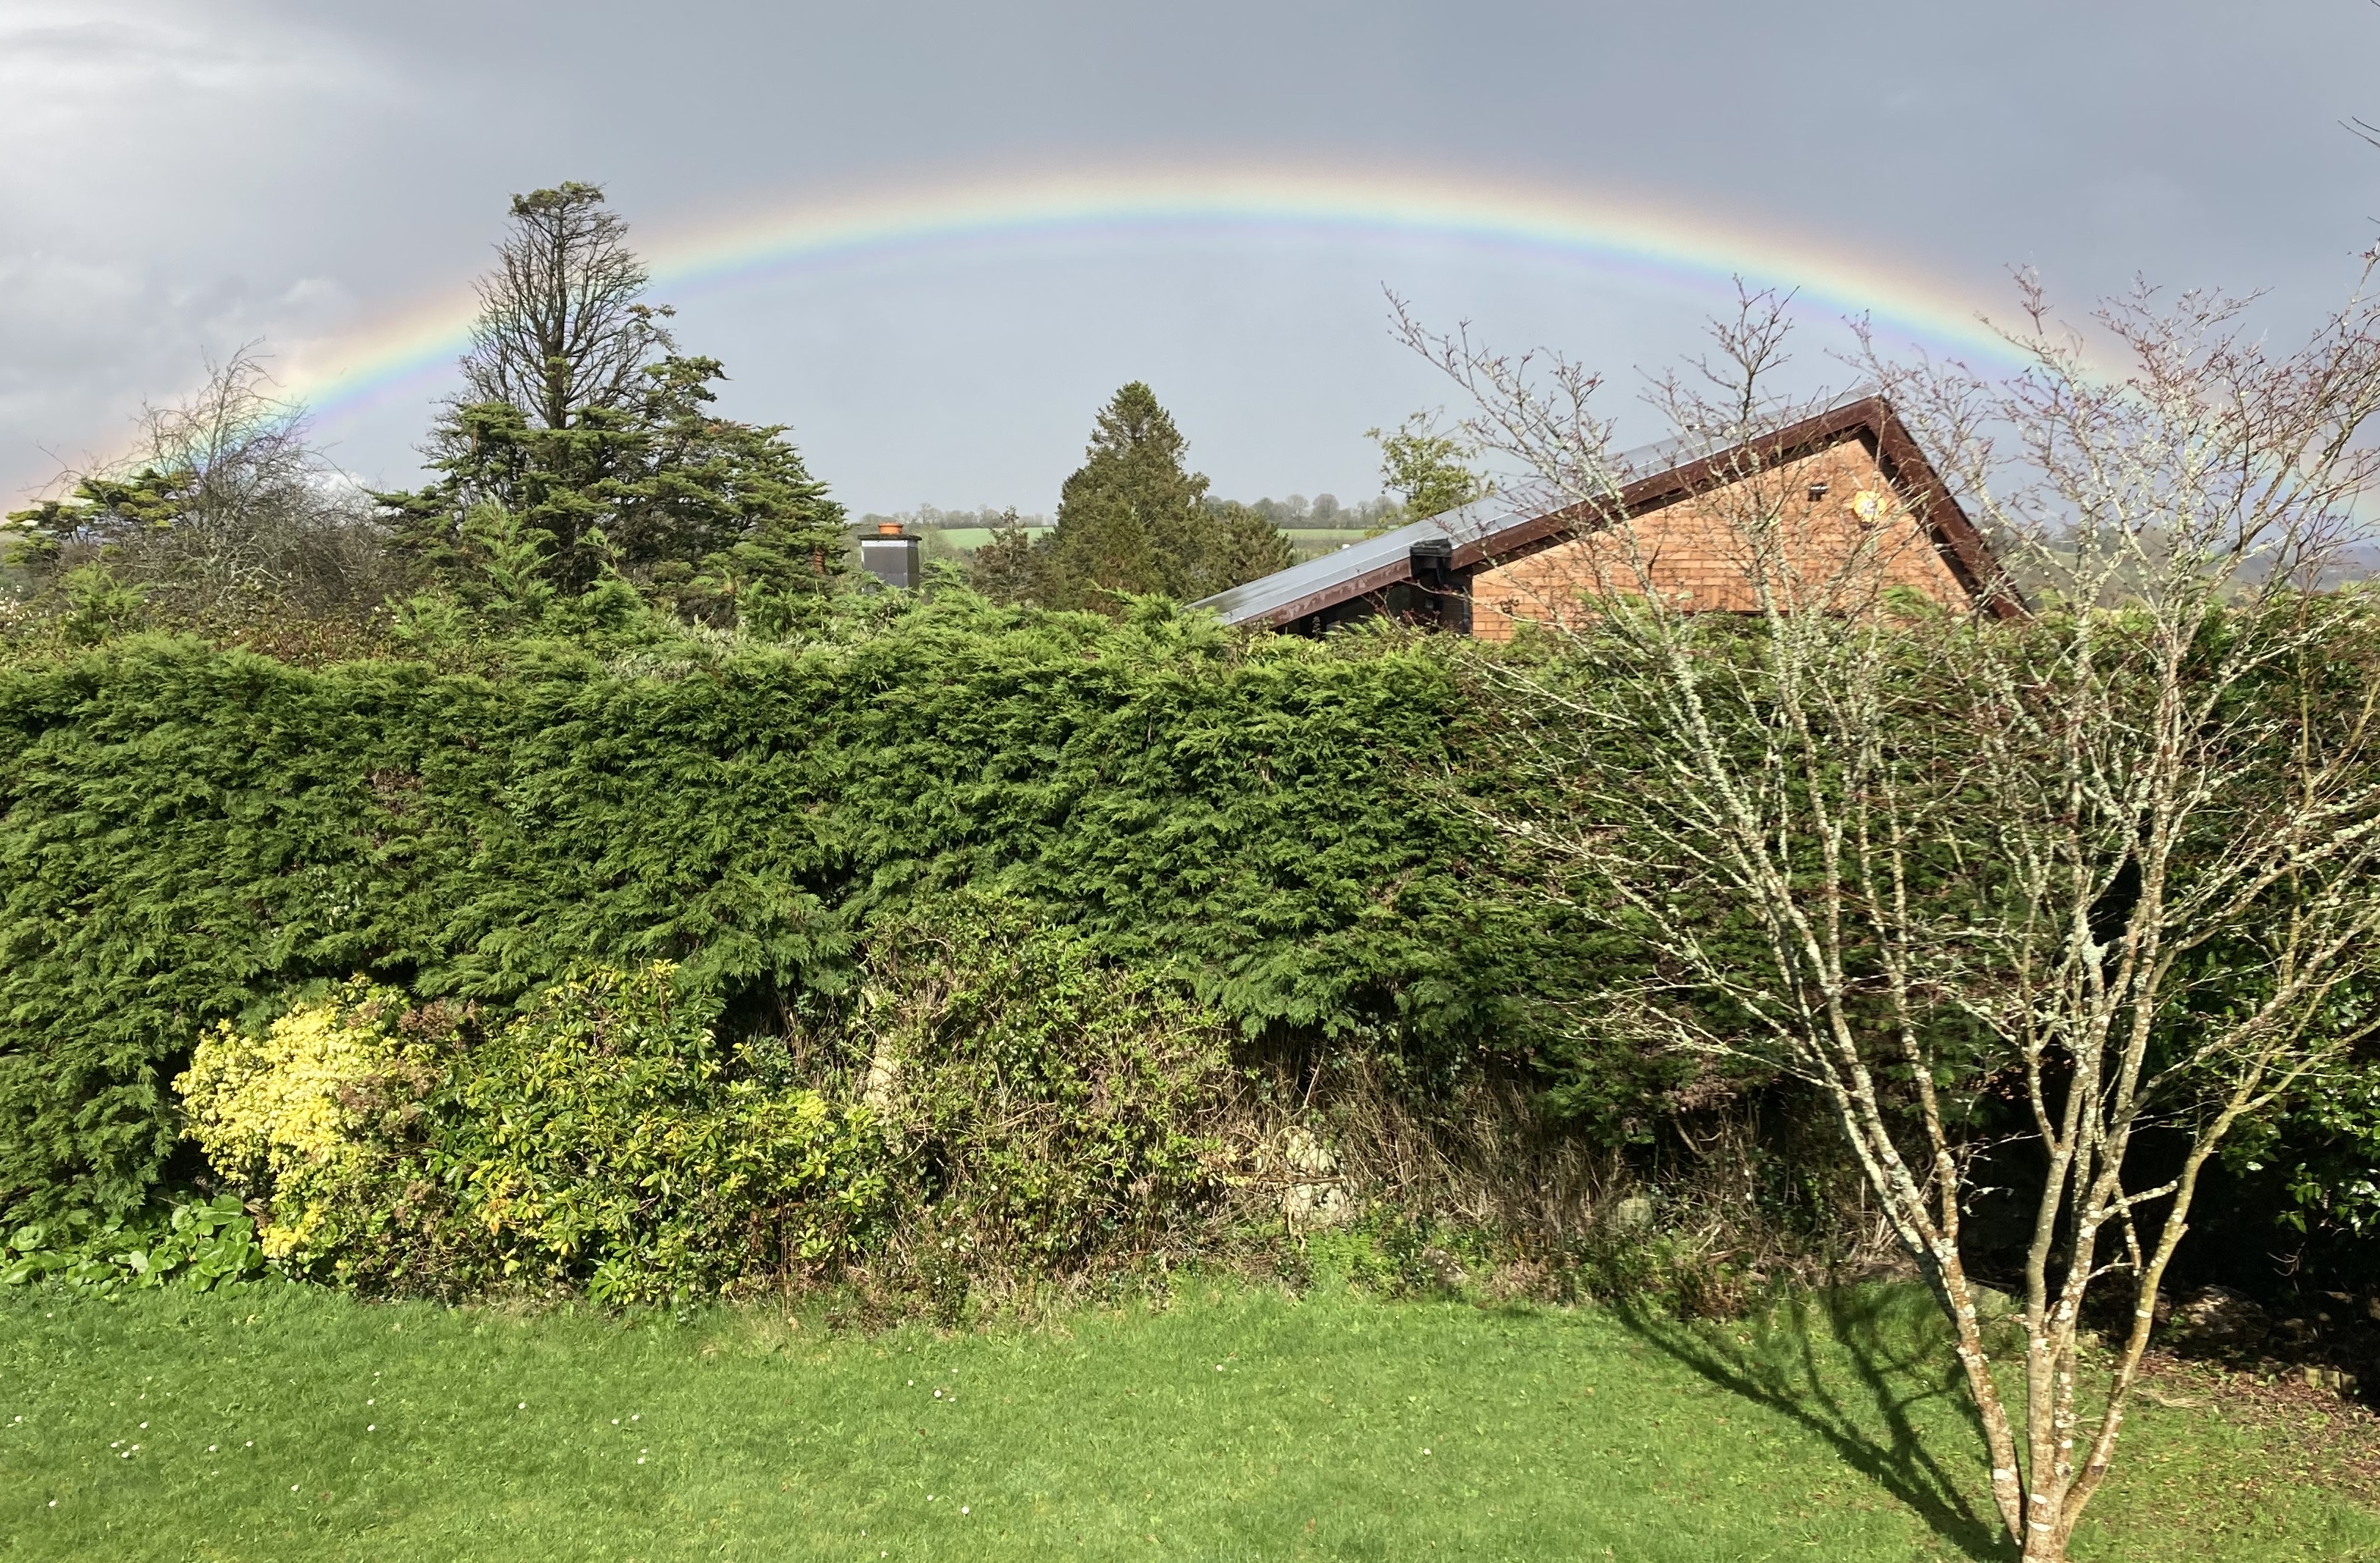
[582,428]
[1133,518]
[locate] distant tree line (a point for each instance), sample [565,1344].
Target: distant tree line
[1324,510]
[928,518]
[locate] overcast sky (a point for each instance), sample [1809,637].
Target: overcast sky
[179,177]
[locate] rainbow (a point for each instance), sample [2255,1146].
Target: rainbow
[1628,237]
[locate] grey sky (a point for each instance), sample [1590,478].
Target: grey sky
[179,177]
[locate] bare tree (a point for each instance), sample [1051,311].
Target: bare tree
[2109,863]
[562,325]
[223,503]
[244,483]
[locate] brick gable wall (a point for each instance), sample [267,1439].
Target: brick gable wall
[1693,553]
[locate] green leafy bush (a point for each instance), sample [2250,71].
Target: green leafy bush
[1045,1107]
[599,1140]
[323,1117]
[1014,1100]
[202,1244]
[1002,1097]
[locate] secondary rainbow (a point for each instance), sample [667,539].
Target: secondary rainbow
[1631,238]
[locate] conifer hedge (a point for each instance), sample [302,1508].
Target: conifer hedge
[188,835]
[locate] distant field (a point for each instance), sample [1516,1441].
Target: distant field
[1308,541]
[1312,541]
[284,1424]
[968,538]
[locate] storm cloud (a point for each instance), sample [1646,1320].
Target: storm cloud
[179,179]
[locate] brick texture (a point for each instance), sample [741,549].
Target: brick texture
[1705,552]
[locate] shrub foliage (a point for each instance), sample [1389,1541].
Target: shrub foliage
[1045,1105]
[315,1116]
[189,836]
[601,1140]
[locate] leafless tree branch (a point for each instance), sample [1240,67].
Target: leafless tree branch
[2121,853]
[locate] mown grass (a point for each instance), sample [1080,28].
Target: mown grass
[280,1423]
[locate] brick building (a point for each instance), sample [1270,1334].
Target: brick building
[1794,504]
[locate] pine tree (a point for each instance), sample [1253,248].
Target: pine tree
[708,517]
[583,425]
[1125,514]
[1133,518]
[562,323]
[1243,545]
[1011,567]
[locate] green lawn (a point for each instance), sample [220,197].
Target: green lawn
[279,1422]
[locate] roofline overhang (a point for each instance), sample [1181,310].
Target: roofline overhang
[1870,417]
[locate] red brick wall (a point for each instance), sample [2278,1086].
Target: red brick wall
[1699,552]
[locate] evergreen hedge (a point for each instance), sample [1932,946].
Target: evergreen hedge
[188,835]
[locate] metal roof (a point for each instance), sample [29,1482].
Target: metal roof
[1473,523]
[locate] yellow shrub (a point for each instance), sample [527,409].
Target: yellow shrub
[305,1119]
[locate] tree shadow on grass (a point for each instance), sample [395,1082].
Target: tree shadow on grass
[1854,1366]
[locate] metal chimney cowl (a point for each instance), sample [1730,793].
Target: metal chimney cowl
[891,555]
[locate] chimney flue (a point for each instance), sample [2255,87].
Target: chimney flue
[891,557]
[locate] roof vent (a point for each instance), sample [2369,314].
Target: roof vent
[1817,491]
